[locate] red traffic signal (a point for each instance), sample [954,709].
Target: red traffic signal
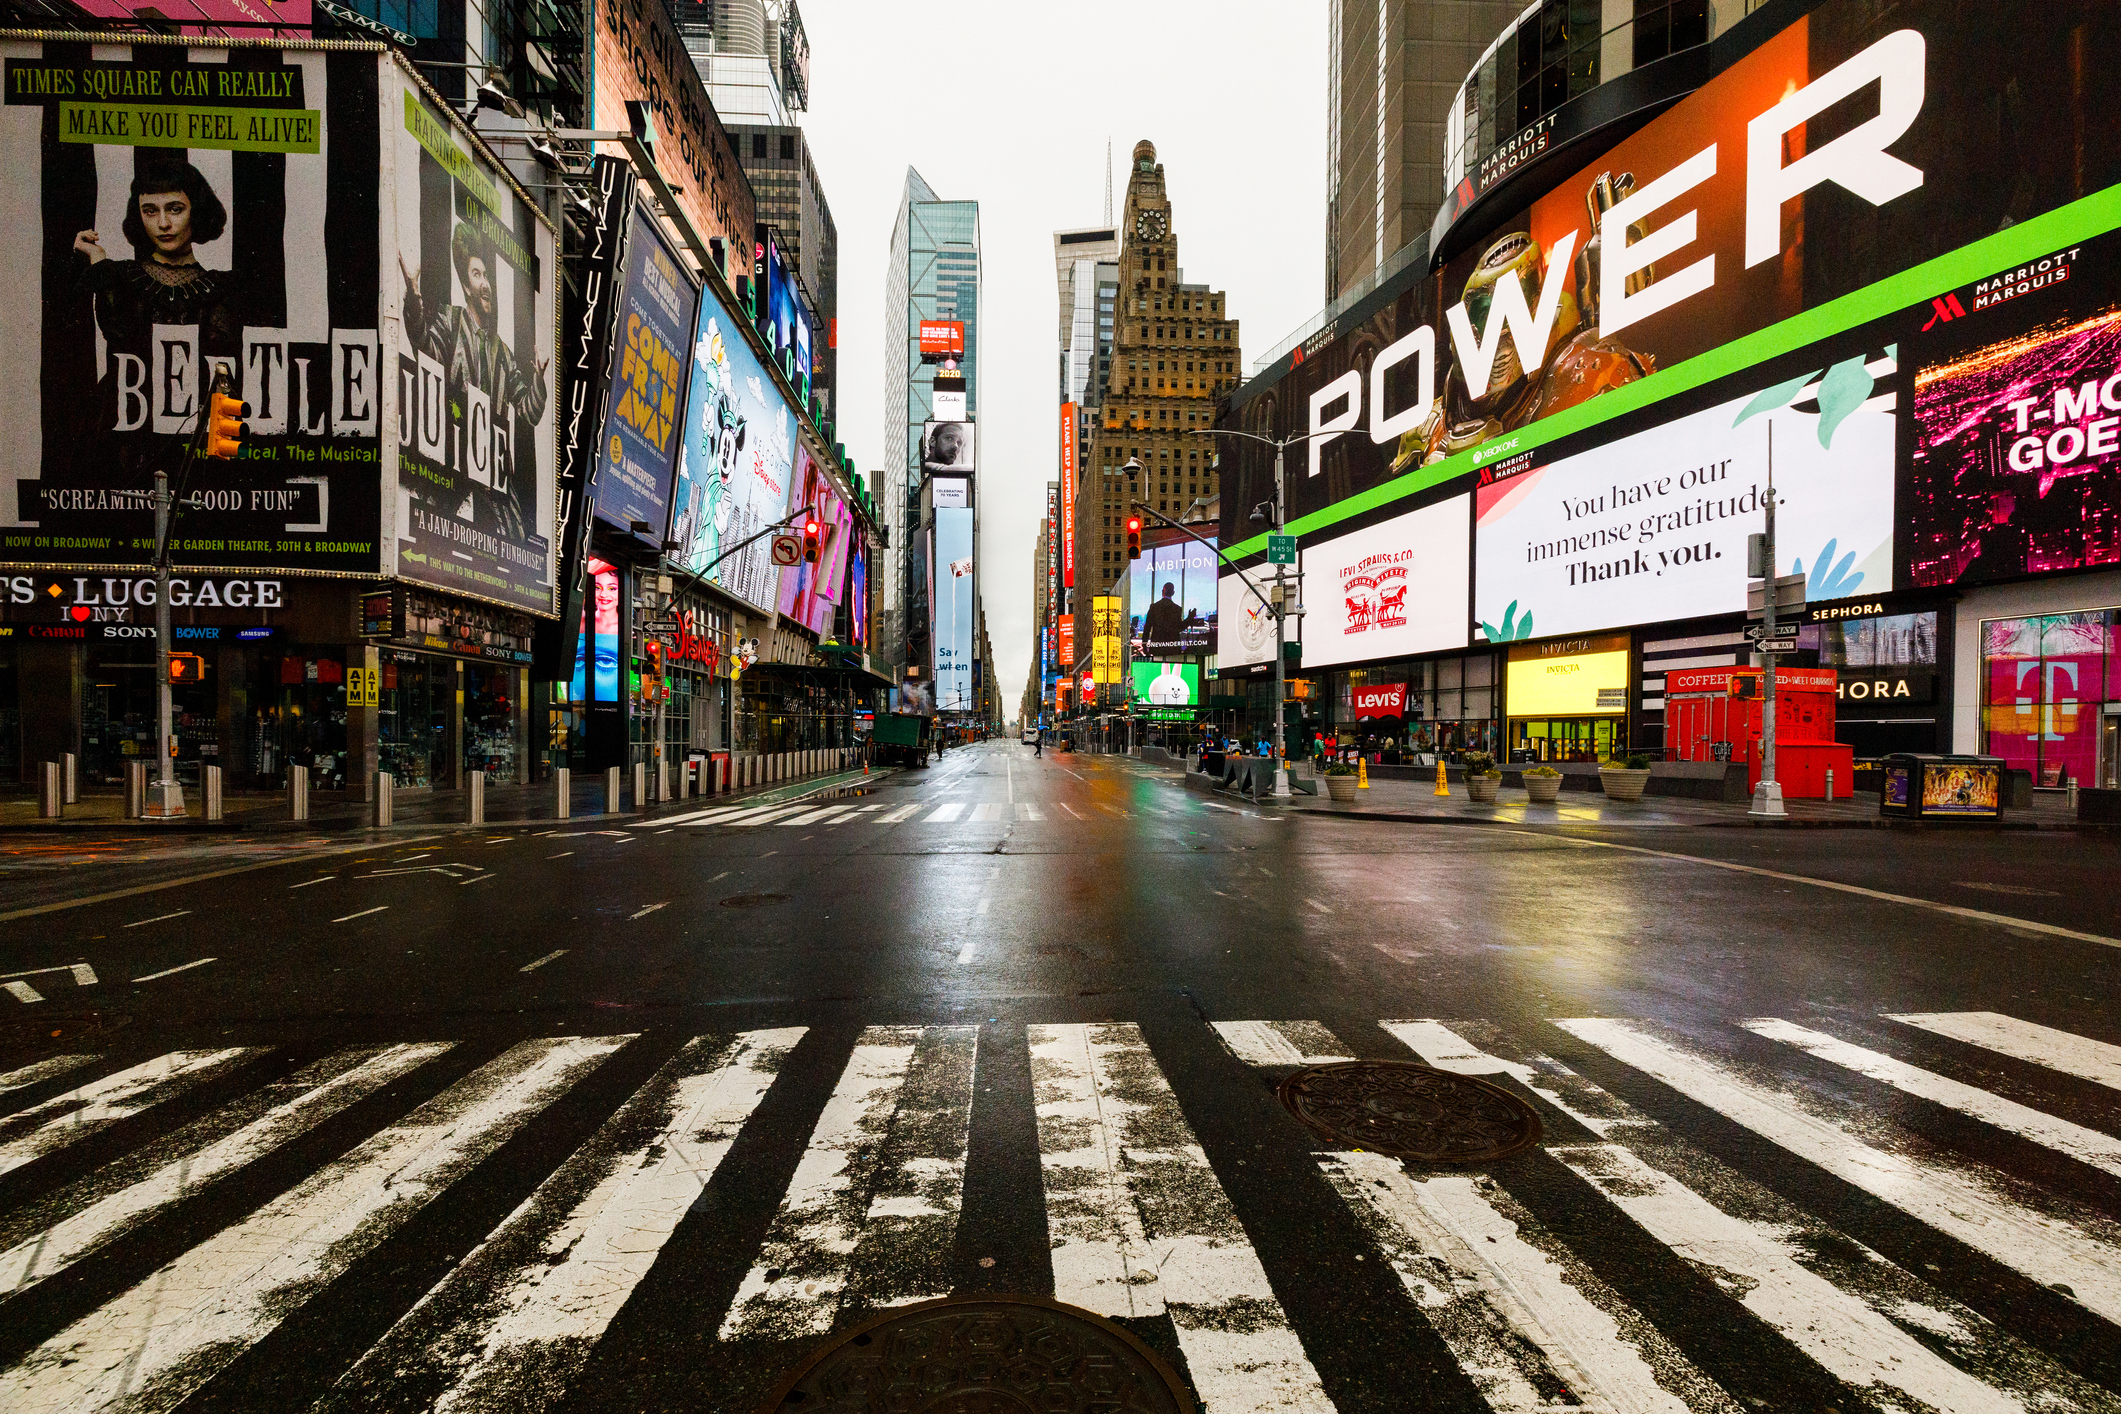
[186,667]
[812,529]
[1134,537]
[224,424]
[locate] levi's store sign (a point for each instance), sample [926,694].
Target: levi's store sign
[1387,701]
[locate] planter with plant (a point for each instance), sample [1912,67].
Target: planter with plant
[1625,776]
[1482,779]
[1340,781]
[1542,784]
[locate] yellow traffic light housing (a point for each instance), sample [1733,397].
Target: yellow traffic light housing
[224,425]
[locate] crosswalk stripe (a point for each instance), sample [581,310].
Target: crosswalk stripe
[82,1111]
[1955,1201]
[1118,1159]
[693,817]
[904,812]
[741,819]
[1025,810]
[153,1345]
[40,1071]
[1272,1043]
[813,817]
[944,814]
[913,1084]
[2102,1151]
[2096,1061]
[542,1289]
[991,810]
[321,1091]
[1843,1333]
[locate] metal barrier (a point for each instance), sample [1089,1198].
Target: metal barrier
[50,797]
[210,779]
[475,797]
[385,782]
[562,793]
[298,792]
[611,791]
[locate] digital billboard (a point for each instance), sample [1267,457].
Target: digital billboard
[810,593]
[947,447]
[1804,206]
[951,608]
[1244,625]
[735,463]
[1654,525]
[1166,684]
[1387,590]
[858,591]
[941,338]
[139,265]
[1171,599]
[653,346]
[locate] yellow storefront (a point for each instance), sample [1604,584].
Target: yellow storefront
[1567,700]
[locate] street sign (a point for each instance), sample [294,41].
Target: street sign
[1789,596]
[1777,645]
[660,626]
[1281,549]
[787,550]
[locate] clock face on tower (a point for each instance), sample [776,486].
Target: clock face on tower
[1149,225]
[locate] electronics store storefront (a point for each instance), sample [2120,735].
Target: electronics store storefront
[453,687]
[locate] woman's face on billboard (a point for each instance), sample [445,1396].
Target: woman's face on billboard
[166,216]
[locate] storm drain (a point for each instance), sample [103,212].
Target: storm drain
[60,1028]
[983,1355]
[753,900]
[1411,1111]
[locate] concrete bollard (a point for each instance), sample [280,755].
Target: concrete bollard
[69,778]
[562,793]
[298,792]
[1830,785]
[475,797]
[640,784]
[662,781]
[50,796]
[210,778]
[135,789]
[384,784]
[611,791]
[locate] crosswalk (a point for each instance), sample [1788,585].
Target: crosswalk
[1912,1211]
[949,812]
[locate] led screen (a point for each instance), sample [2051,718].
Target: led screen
[735,464]
[1171,599]
[1390,589]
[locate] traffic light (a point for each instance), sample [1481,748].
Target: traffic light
[1134,537]
[811,530]
[186,668]
[224,424]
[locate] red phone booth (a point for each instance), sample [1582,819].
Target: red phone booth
[1713,714]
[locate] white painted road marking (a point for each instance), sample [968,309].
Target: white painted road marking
[1269,1043]
[648,910]
[2080,1056]
[39,1071]
[1317,905]
[362,914]
[904,812]
[561,855]
[160,918]
[307,882]
[173,971]
[534,966]
[23,992]
[82,1111]
[944,814]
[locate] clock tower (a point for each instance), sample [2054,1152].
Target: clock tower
[1174,354]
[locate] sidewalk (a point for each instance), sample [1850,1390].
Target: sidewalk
[253,812]
[1417,802]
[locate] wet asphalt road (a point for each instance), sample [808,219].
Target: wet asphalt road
[1805,1147]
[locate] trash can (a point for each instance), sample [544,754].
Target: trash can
[1936,787]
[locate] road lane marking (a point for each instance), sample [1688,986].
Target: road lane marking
[944,814]
[160,918]
[307,882]
[362,914]
[173,971]
[534,966]
[723,875]
[23,992]
[1027,811]
[561,855]
[1069,808]
[82,1111]
[108,895]
[2065,1051]
[1317,905]
[1953,1199]
[409,858]
[904,812]
[650,909]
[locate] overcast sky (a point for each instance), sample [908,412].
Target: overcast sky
[1010,104]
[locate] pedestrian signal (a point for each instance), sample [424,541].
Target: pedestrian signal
[186,667]
[811,530]
[224,425]
[1134,537]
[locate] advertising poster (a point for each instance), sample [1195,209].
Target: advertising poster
[1244,625]
[1959,790]
[1654,526]
[1171,598]
[1166,684]
[1105,615]
[650,357]
[475,382]
[810,594]
[947,447]
[1390,589]
[2017,460]
[146,257]
[951,629]
[596,665]
[735,463]
[858,592]
[1843,153]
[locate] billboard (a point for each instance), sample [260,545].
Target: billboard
[1244,625]
[735,463]
[234,19]
[1387,590]
[596,662]
[1823,188]
[657,304]
[2017,393]
[1171,599]
[142,264]
[947,447]
[1166,684]
[1105,616]
[475,382]
[810,594]
[941,338]
[1654,525]
[858,591]
[951,610]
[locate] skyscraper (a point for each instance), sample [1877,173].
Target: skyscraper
[1393,69]
[934,275]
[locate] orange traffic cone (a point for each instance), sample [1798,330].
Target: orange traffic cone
[1443,786]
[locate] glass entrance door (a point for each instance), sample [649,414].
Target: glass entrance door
[1562,738]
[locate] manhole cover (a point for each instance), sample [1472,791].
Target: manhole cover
[753,900]
[1411,1111]
[59,1028]
[982,1355]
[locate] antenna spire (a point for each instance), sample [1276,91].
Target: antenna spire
[1108,181]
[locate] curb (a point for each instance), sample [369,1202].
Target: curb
[2012,826]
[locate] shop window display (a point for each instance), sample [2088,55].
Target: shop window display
[304,724]
[489,722]
[414,701]
[2046,682]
